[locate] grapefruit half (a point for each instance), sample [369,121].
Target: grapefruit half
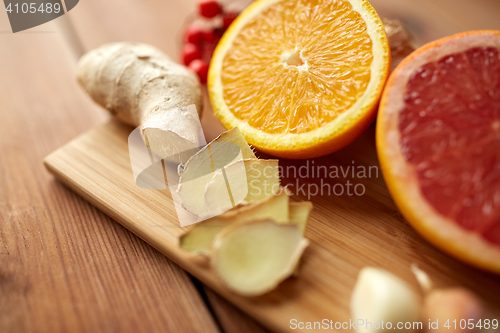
[438,141]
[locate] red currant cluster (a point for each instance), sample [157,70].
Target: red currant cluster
[201,37]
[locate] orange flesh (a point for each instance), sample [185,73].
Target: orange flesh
[297,65]
[450,133]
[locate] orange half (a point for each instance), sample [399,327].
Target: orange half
[300,78]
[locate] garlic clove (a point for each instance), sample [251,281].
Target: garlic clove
[380,298]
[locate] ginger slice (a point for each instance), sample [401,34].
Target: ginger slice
[299,213]
[247,180]
[228,147]
[253,258]
[198,240]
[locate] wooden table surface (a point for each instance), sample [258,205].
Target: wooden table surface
[64,265]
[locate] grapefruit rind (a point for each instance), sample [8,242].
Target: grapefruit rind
[400,178]
[328,138]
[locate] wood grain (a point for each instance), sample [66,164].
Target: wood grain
[230,318]
[429,20]
[346,232]
[64,265]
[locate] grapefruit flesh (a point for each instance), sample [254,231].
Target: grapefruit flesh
[438,142]
[450,134]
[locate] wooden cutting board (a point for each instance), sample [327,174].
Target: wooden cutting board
[346,232]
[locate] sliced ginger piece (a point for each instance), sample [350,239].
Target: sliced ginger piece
[228,147]
[224,157]
[299,213]
[199,239]
[275,206]
[253,258]
[261,179]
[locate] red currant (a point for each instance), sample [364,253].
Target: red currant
[228,18]
[210,37]
[213,36]
[190,52]
[208,51]
[209,8]
[200,67]
[194,34]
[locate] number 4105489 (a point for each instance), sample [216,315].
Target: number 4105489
[33,8]
[470,324]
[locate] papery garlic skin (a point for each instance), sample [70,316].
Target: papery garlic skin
[423,278]
[380,296]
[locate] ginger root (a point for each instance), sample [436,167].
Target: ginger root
[401,41]
[141,86]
